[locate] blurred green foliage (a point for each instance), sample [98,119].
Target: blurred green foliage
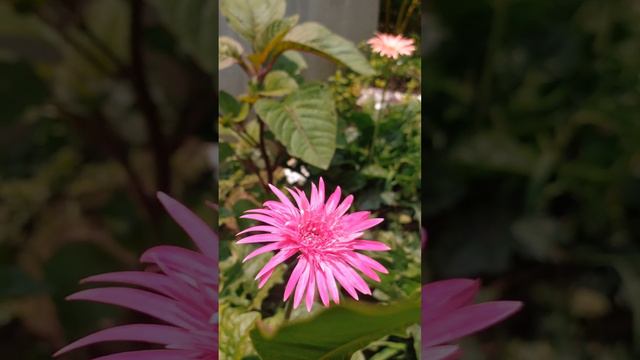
[104,102]
[533,169]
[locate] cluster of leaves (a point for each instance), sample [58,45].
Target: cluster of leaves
[283,124]
[87,86]
[534,143]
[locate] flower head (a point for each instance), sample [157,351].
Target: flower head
[392,46]
[180,288]
[324,239]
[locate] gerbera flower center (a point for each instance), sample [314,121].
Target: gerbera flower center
[316,234]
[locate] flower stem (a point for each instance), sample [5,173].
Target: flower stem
[288,308]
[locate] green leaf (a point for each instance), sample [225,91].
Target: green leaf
[290,61]
[272,34]
[251,17]
[194,24]
[305,122]
[278,83]
[317,39]
[229,51]
[228,105]
[336,333]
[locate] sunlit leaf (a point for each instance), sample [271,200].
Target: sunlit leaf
[229,51]
[305,122]
[250,17]
[317,39]
[278,83]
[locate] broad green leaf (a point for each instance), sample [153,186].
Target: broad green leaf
[229,51]
[305,122]
[317,39]
[336,333]
[272,34]
[278,83]
[194,24]
[250,17]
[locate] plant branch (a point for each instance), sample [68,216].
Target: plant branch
[148,107]
[76,45]
[100,134]
[265,154]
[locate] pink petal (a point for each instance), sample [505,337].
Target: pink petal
[333,201]
[466,321]
[151,355]
[265,278]
[260,238]
[262,250]
[322,287]
[151,333]
[198,230]
[344,206]
[282,197]
[441,297]
[311,290]
[370,245]
[295,275]
[302,285]
[259,228]
[145,302]
[276,260]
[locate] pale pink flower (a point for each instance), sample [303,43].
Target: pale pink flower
[448,314]
[324,240]
[181,290]
[392,46]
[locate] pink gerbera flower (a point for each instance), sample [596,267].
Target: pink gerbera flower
[182,293]
[325,240]
[448,314]
[392,46]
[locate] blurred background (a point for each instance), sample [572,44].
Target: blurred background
[533,169]
[104,102]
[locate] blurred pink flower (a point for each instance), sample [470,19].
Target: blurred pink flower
[448,314]
[324,239]
[391,45]
[183,293]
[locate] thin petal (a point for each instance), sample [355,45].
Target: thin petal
[311,290]
[295,276]
[466,321]
[151,333]
[276,260]
[198,230]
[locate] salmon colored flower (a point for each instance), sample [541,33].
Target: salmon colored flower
[392,46]
[323,238]
[180,288]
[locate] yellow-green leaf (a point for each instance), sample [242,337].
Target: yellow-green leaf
[278,83]
[250,17]
[317,39]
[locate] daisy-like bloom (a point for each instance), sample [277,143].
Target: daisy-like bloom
[448,314]
[324,239]
[179,288]
[392,46]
